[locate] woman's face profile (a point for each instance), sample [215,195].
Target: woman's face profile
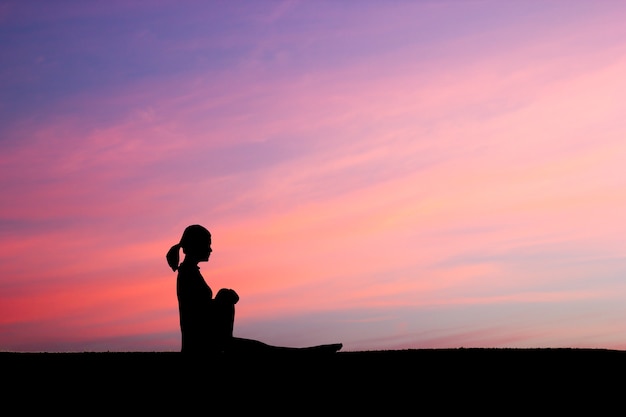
[205,251]
[201,250]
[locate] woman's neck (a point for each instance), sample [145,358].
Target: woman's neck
[190,261]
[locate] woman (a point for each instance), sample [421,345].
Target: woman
[206,323]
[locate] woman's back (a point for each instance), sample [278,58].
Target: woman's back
[194,307]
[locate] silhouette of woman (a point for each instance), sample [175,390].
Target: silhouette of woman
[206,323]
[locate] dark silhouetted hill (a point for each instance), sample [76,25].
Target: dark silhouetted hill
[397,382]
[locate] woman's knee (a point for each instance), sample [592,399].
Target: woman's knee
[228,296]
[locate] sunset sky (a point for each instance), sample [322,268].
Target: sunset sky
[386,174]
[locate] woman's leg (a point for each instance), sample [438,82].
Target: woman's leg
[238,345]
[224,311]
[224,317]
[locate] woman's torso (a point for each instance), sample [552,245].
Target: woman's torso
[194,299]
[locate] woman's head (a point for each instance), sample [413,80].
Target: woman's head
[196,245]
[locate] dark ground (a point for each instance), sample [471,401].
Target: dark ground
[407,382]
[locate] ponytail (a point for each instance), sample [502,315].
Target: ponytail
[173,257]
